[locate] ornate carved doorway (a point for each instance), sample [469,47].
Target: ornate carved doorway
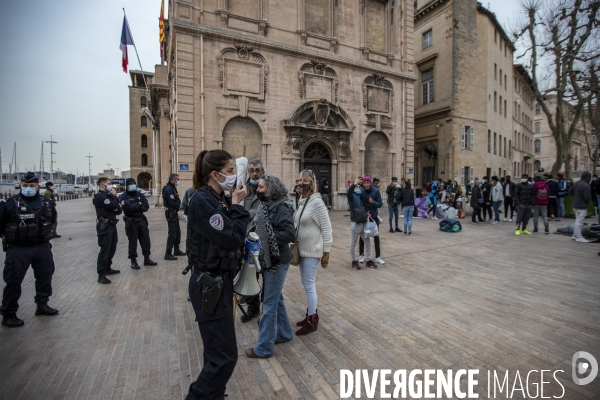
[317,158]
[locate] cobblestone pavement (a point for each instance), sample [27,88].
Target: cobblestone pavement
[479,299]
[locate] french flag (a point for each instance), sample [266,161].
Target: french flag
[126,39]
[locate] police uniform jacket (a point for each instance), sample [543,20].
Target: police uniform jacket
[27,220]
[171,197]
[107,205]
[217,231]
[134,204]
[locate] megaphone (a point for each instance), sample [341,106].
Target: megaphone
[245,283]
[241,166]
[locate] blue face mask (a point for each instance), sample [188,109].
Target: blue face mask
[358,191]
[132,188]
[254,182]
[28,191]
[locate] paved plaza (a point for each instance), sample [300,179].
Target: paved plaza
[479,299]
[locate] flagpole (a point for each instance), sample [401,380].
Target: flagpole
[135,48]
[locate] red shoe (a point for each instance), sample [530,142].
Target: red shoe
[355,264]
[371,264]
[312,322]
[301,323]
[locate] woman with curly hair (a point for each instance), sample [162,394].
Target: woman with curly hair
[274,224]
[314,244]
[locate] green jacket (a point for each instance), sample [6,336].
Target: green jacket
[50,194]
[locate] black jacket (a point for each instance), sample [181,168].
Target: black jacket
[511,189]
[107,205]
[407,198]
[486,191]
[8,210]
[282,220]
[582,192]
[134,204]
[390,191]
[523,194]
[475,196]
[553,187]
[171,197]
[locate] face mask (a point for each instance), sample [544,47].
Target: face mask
[50,187]
[304,187]
[177,183]
[523,180]
[358,191]
[132,188]
[254,181]
[229,181]
[109,188]
[261,196]
[28,191]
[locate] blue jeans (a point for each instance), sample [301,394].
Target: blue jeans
[561,207]
[308,274]
[274,323]
[598,198]
[408,215]
[497,205]
[393,209]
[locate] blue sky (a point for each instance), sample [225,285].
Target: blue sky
[60,75]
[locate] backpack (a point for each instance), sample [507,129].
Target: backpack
[450,225]
[542,194]
[429,186]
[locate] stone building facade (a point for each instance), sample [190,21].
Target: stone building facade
[544,145]
[464,98]
[140,129]
[319,84]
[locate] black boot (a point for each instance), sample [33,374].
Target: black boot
[169,256]
[178,252]
[45,309]
[103,280]
[134,264]
[148,261]
[12,321]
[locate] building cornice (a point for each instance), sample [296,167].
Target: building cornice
[427,8]
[427,59]
[280,47]
[482,10]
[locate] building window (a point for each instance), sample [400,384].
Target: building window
[537,165]
[144,121]
[144,102]
[467,137]
[504,147]
[500,105]
[495,143]
[495,101]
[537,109]
[538,145]
[537,127]
[504,108]
[466,174]
[505,85]
[510,153]
[427,78]
[495,72]
[144,160]
[500,77]
[427,39]
[489,141]
[144,141]
[317,17]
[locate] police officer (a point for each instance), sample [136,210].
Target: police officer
[107,208]
[26,222]
[217,230]
[172,205]
[134,205]
[256,169]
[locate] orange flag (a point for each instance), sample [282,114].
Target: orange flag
[161,30]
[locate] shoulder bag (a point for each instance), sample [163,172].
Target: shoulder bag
[294,246]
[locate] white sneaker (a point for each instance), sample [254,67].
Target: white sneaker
[573,237]
[435,218]
[361,259]
[582,240]
[494,222]
[510,220]
[378,260]
[506,220]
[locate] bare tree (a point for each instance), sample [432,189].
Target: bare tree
[559,39]
[591,119]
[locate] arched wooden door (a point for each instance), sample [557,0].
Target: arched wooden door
[317,158]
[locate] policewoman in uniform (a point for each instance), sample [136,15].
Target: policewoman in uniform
[216,234]
[172,206]
[26,224]
[107,208]
[134,205]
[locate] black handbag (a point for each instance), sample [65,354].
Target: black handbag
[360,215]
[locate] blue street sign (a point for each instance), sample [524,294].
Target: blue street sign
[443,172]
[411,171]
[184,167]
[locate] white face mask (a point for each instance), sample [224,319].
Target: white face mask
[524,180]
[229,181]
[109,188]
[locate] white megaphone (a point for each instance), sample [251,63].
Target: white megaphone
[245,282]
[241,166]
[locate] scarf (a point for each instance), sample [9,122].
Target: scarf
[269,249]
